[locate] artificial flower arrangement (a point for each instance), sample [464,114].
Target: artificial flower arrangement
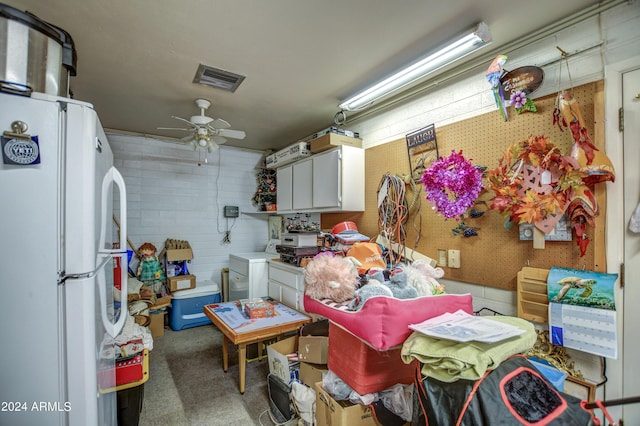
[452,184]
[535,183]
[521,102]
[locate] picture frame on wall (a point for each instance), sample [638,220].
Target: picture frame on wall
[275,228]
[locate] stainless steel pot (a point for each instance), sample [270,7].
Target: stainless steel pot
[35,56]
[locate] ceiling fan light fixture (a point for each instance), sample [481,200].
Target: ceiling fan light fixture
[456,49]
[206,132]
[212,147]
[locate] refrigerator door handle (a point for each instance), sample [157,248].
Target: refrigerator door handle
[86,274]
[113,329]
[113,175]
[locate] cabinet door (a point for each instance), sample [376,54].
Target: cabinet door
[274,291]
[303,185]
[327,179]
[284,182]
[290,297]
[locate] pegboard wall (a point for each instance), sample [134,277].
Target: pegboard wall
[494,257]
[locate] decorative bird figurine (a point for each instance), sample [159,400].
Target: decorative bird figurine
[493,77]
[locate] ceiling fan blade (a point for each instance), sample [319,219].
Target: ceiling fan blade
[219,140]
[219,123]
[173,128]
[185,120]
[230,133]
[187,138]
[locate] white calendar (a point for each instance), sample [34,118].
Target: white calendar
[582,313]
[586,329]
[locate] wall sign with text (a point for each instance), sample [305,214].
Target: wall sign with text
[422,148]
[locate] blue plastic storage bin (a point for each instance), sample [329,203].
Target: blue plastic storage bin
[186,305]
[555,376]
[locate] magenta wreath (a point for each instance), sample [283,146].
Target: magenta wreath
[452,185]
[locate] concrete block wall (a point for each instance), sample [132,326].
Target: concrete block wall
[170,196]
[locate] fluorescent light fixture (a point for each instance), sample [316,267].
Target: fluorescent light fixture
[456,49]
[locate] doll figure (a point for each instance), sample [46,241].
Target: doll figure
[149,271]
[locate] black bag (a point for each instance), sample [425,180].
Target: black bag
[515,393]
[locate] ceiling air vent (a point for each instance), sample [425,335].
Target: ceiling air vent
[216,77]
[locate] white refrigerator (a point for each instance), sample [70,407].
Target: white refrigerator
[58,194]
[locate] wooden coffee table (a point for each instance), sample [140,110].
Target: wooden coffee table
[242,332]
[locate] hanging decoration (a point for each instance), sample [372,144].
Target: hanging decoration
[519,83]
[593,162]
[535,183]
[422,148]
[465,230]
[493,77]
[452,184]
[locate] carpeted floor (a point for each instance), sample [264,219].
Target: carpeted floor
[187,386]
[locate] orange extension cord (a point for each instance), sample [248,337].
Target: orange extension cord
[393,213]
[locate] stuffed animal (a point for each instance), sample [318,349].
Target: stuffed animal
[330,277]
[432,274]
[399,286]
[372,288]
[417,279]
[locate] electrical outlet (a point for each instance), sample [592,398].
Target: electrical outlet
[454,258]
[442,257]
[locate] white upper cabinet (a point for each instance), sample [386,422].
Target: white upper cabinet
[284,191]
[330,181]
[303,185]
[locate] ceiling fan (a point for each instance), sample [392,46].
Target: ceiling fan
[206,132]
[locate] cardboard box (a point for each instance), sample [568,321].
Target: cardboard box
[310,374]
[332,140]
[181,282]
[297,151]
[179,254]
[332,129]
[157,324]
[255,310]
[330,412]
[283,359]
[313,349]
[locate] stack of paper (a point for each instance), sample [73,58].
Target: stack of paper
[463,327]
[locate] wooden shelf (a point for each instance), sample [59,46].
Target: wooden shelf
[532,300]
